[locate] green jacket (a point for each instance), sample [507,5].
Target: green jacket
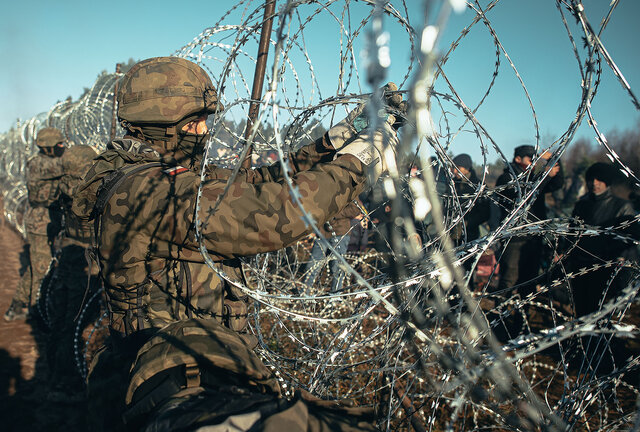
[149,257]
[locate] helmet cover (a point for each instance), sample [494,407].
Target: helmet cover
[165,90]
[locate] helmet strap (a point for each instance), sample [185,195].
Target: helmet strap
[172,139]
[162,137]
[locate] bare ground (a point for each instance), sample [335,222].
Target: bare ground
[23,375]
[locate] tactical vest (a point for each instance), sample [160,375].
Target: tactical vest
[232,311]
[43,180]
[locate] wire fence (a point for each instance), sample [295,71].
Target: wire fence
[420,327]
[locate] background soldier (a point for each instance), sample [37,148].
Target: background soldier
[142,194]
[73,281]
[44,171]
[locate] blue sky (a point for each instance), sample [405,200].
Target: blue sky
[51,50]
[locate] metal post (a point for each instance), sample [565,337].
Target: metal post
[258,76]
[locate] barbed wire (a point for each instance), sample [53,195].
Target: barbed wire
[414,329]
[86,121]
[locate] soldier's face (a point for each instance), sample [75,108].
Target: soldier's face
[197,126]
[55,151]
[58,150]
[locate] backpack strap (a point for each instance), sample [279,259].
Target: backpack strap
[111,184]
[109,187]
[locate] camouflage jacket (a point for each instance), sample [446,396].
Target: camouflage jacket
[75,162]
[149,256]
[43,186]
[341,223]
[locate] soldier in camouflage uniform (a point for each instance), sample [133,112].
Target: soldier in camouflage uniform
[141,193]
[43,184]
[74,279]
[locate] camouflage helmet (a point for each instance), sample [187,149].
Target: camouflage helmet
[165,90]
[49,137]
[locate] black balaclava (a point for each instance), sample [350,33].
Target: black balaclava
[58,151]
[176,147]
[55,151]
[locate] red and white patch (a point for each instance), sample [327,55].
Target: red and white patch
[175,170]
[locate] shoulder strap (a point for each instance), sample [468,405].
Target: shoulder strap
[112,183]
[109,187]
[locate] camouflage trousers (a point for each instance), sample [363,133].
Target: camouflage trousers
[71,284]
[39,258]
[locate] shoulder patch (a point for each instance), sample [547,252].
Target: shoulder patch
[174,171]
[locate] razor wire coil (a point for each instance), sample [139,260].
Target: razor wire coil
[410,331]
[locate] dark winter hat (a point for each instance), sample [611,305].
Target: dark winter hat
[602,171]
[464,161]
[524,150]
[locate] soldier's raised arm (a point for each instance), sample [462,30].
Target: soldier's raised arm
[262,217]
[143,194]
[323,149]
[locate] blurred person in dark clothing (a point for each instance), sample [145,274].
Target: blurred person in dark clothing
[600,208]
[337,232]
[466,182]
[520,261]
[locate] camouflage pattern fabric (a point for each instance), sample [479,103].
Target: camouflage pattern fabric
[147,248]
[217,356]
[75,162]
[39,260]
[201,373]
[149,258]
[75,278]
[165,90]
[43,187]
[158,288]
